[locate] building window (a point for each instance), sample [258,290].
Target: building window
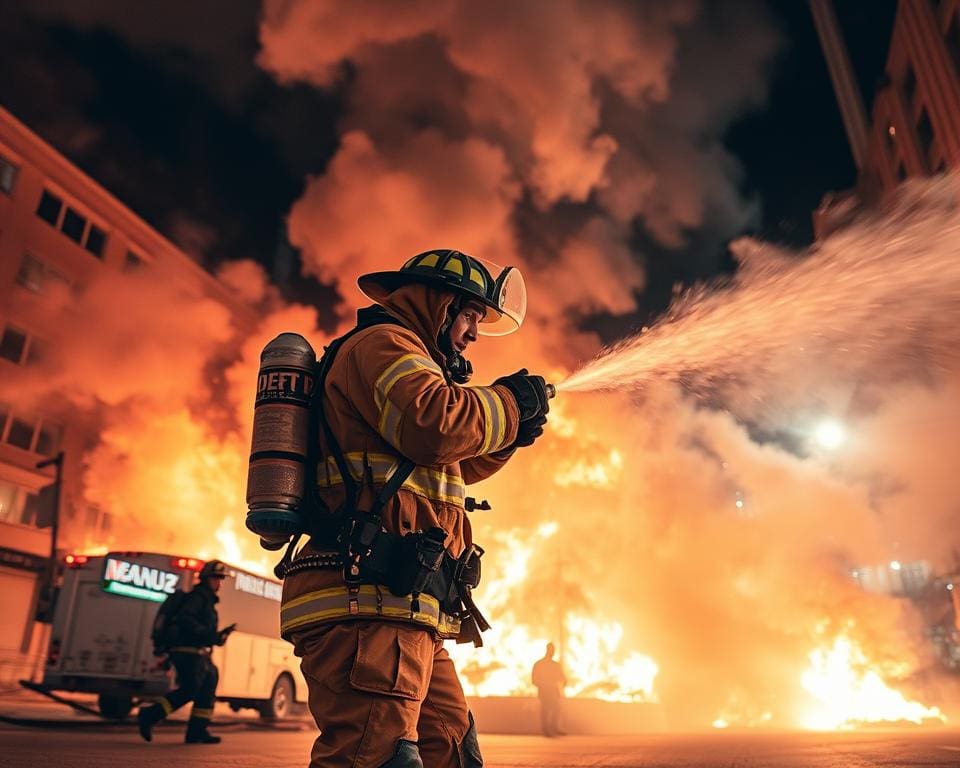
[21,347]
[49,208]
[30,274]
[96,240]
[909,85]
[8,175]
[48,439]
[38,277]
[73,224]
[31,511]
[13,342]
[18,505]
[30,433]
[20,432]
[925,133]
[9,498]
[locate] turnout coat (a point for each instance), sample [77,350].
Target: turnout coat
[387,397]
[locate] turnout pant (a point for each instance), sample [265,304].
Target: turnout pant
[386,695]
[197,679]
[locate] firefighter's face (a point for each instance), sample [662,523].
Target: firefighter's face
[214,583]
[463,330]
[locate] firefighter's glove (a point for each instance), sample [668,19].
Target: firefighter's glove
[224,633]
[530,392]
[529,431]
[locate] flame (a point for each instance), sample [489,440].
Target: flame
[739,713]
[594,658]
[851,691]
[600,473]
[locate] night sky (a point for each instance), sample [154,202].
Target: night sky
[166,107]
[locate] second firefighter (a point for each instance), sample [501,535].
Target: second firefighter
[190,632]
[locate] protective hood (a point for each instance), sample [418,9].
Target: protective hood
[423,310]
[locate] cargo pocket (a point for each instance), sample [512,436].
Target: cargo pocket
[393,661]
[328,655]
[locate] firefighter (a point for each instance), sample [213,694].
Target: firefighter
[382,688]
[195,628]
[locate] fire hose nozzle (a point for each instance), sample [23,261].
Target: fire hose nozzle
[551,390]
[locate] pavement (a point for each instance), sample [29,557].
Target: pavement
[36,732]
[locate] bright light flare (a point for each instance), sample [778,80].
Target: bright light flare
[830,434]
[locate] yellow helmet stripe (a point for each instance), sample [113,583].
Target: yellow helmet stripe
[454,266]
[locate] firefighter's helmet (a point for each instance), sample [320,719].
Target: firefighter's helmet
[213,569]
[501,290]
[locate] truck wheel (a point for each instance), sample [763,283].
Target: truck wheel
[114,707]
[280,703]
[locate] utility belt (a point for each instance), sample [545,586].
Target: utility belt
[424,584]
[189,649]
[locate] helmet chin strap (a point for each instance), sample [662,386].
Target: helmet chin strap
[458,367]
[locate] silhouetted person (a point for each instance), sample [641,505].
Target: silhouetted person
[550,681]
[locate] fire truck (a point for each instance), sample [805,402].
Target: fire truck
[100,636]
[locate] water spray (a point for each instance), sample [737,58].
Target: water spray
[879,300]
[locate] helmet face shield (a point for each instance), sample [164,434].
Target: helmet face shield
[510,295]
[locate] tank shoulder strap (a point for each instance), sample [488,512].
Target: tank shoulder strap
[366,318]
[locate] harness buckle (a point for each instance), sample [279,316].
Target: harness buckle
[353,602]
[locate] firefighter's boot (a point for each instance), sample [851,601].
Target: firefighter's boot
[406,756]
[147,717]
[197,732]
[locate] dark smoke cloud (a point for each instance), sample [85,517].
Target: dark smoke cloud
[596,108]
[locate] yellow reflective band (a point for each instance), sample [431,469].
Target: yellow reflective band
[454,266]
[430,260]
[487,407]
[201,714]
[167,706]
[333,604]
[391,419]
[433,484]
[406,365]
[494,419]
